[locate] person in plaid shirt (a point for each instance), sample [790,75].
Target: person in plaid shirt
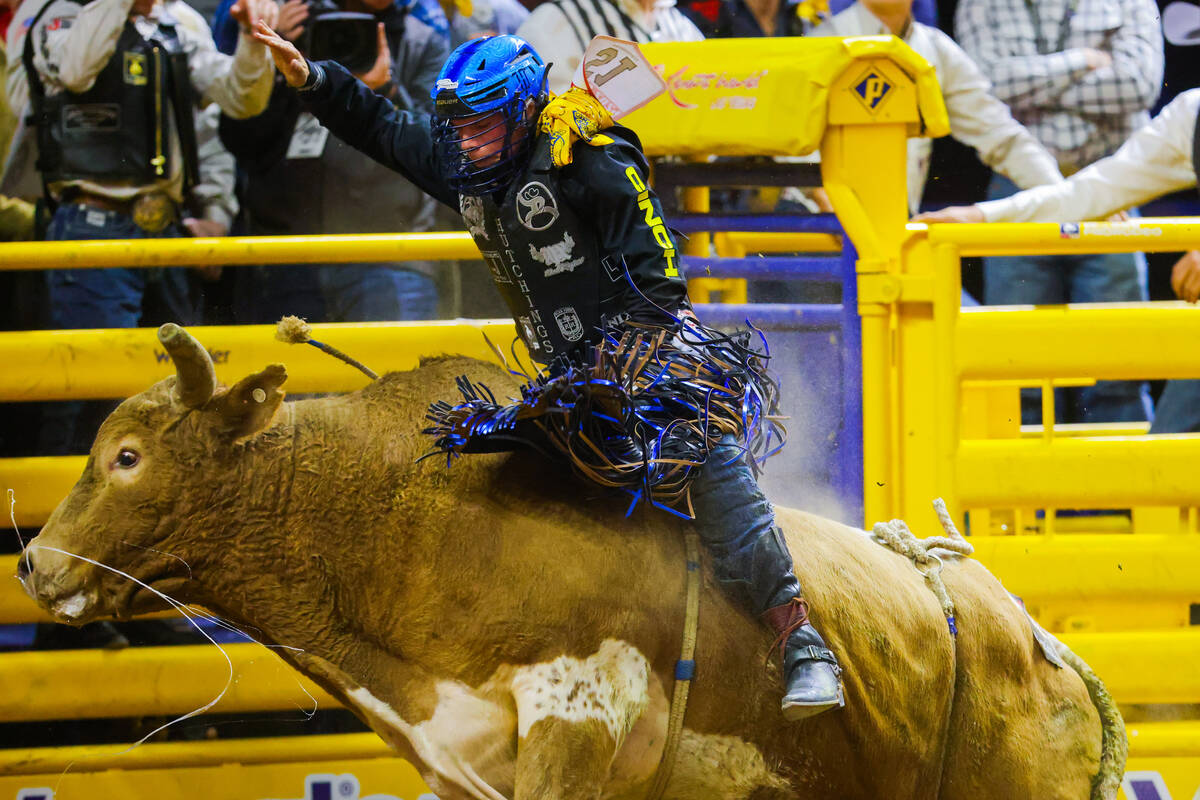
[1081,76]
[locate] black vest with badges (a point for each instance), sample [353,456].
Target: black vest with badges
[117,131]
[544,260]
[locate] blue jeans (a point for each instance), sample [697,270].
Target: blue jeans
[376,293]
[1178,409]
[1053,280]
[112,298]
[737,525]
[103,298]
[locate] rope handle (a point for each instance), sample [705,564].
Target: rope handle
[896,535]
[685,670]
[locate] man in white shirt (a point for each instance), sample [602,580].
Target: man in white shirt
[977,117]
[1158,158]
[560,30]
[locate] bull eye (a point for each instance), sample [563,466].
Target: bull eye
[127,459]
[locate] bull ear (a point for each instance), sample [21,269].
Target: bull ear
[196,378]
[249,405]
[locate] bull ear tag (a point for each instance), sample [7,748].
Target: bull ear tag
[249,405]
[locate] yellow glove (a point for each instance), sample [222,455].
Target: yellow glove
[570,117]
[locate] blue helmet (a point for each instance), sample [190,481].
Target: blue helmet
[480,151]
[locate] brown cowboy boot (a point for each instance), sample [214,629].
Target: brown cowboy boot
[810,669]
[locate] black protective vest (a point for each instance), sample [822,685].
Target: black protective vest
[117,131]
[544,260]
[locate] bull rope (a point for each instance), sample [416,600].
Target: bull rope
[685,670]
[896,536]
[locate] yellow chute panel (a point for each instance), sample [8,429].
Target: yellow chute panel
[770,96]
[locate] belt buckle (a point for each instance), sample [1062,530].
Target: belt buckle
[153,212]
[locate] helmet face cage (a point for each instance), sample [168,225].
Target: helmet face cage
[482,127]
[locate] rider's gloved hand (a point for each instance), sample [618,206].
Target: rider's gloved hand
[571,117]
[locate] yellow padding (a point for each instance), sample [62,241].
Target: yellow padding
[1101,472]
[143,681]
[166,755]
[80,364]
[1087,567]
[1143,666]
[772,96]
[1098,341]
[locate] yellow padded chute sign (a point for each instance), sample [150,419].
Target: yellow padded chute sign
[772,96]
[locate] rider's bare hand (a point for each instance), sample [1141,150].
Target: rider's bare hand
[291,65]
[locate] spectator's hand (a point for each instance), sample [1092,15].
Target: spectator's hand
[1185,277]
[141,8]
[1096,59]
[952,214]
[292,16]
[204,227]
[1120,216]
[571,117]
[249,13]
[381,71]
[291,65]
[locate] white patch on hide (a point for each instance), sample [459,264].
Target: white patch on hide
[71,607]
[464,728]
[610,686]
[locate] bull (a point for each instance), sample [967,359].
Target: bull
[515,641]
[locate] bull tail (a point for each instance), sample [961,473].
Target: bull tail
[293,330]
[1114,747]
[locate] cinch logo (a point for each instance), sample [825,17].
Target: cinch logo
[654,221]
[872,89]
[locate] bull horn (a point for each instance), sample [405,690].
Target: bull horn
[193,366]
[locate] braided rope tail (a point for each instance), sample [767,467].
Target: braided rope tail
[1114,746]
